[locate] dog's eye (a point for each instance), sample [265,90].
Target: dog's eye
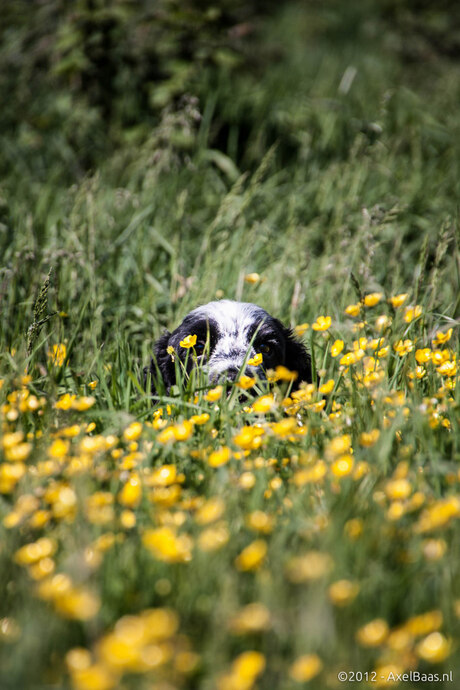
[199,348]
[265,348]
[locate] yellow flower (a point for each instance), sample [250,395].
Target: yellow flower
[438,357]
[252,278]
[245,382]
[94,677]
[434,648]
[160,624]
[166,435]
[338,446]
[424,623]
[18,453]
[423,356]
[117,653]
[337,348]
[219,457]
[162,476]
[398,489]
[78,603]
[373,634]
[166,545]
[78,658]
[412,313]
[342,466]
[83,403]
[247,480]
[438,514]
[369,438]
[247,666]
[322,323]
[213,538]
[252,557]
[311,474]
[372,299]
[383,321]
[133,431]
[183,430]
[447,369]
[398,300]
[131,493]
[210,511]
[349,358]
[200,419]
[265,403]
[353,528]
[343,592]
[396,510]
[58,355]
[12,439]
[403,347]
[441,338]
[252,618]
[65,402]
[256,360]
[260,521]
[59,448]
[188,342]
[127,519]
[305,668]
[327,387]
[353,309]
[301,329]
[284,374]
[43,568]
[249,437]
[34,552]
[214,394]
[285,427]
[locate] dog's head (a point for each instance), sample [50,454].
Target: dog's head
[228,335]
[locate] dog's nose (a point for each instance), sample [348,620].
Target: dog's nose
[231,374]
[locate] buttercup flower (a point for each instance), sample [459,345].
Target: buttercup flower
[372,299]
[373,634]
[305,668]
[398,300]
[412,313]
[252,278]
[252,557]
[256,360]
[322,323]
[353,309]
[188,342]
[337,348]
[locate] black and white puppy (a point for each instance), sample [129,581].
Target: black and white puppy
[228,333]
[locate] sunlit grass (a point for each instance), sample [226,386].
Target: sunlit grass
[315,518]
[201,538]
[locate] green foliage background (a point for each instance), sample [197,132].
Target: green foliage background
[131,133]
[154,153]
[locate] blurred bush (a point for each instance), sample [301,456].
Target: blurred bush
[79,78]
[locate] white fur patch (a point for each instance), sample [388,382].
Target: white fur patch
[235,322]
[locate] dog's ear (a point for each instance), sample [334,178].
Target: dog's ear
[297,358]
[161,367]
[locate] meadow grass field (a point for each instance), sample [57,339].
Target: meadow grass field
[201,541]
